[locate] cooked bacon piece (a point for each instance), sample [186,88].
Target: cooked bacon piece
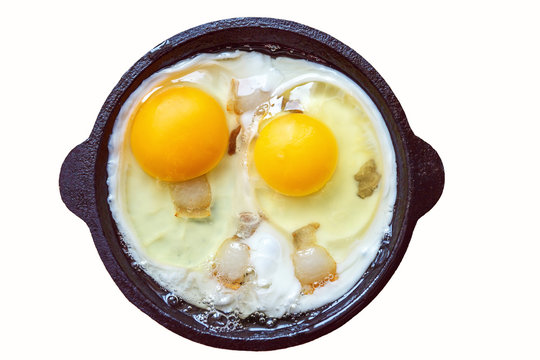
[368,179]
[305,236]
[231,263]
[239,104]
[192,198]
[313,265]
[232,140]
[247,224]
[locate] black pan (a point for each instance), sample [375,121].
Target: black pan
[84,189]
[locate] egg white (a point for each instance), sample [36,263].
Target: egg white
[177,253]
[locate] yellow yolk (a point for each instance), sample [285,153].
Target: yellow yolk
[179,133]
[296,154]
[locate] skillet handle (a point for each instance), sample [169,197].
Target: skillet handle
[77,187]
[427,177]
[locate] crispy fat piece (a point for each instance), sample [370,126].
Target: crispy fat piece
[368,179]
[248,222]
[313,264]
[240,104]
[232,140]
[231,263]
[192,198]
[305,236]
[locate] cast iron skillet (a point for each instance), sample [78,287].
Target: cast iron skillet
[84,190]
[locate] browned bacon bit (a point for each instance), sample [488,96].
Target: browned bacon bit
[231,263]
[247,224]
[192,198]
[231,103]
[368,179]
[313,265]
[305,236]
[232,140]
[239,104]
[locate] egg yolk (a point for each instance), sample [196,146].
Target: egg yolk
[296,154]
[179,133]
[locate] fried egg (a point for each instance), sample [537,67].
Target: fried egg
[249,183]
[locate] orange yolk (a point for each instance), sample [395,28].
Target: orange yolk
[179,133]
[296,154]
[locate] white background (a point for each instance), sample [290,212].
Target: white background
[467,75]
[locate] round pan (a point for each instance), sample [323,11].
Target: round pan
[83,181]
